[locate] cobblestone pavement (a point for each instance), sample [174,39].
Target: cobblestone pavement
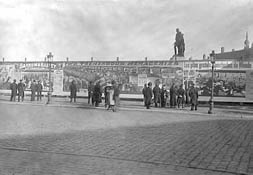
[54,140]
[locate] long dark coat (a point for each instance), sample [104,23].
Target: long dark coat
[97,95]
[173,96]
[193,93]
[39,87]
[148,96]
[106,94]
[181,93]
[33,90]
[73,90]
[13,87]
[164,96]
[21,88]
[157,94]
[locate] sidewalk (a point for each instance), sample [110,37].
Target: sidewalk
[219,110]
[139,97]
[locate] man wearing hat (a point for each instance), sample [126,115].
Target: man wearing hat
[148,95]
[39,90]
[107,90]
[193,93]
[33,90]
[73,90]
[97,94]
[13,87]
[180,96]
[90,93]
[21,90]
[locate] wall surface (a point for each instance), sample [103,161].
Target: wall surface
[229,80]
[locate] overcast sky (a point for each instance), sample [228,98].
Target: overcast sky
[129,29]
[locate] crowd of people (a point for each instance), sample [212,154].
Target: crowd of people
[19,90]
[95,91]
[174,97]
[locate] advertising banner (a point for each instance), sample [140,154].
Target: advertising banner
[229,79]
[249,85]
[58,81]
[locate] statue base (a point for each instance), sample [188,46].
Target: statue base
[178,58]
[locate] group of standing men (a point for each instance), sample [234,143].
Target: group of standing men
[19,90]
[95,92]
[177,96]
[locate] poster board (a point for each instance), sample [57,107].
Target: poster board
[249,85]
[58,82]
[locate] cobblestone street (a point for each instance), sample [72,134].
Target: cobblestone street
[58,140]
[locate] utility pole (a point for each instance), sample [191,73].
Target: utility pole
[212,58]
[49,59]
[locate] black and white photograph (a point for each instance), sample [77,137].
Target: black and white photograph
[126,87]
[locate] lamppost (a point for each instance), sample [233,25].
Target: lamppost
[211,103]
[49,94]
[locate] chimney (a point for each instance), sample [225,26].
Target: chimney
[25,59]
[146,58]
[233,50]
[67,59]
[3,59]
[222,49]
[117,58]
[91,59]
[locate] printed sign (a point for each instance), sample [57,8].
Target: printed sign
[58,81]
[249,85]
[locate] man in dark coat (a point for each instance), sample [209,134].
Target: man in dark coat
[73,90]
[187,100]
[21,90]
[164,96]
[144,93]
[90,92]
[13,87]
[107,89]
[97,95]
[180,96]
[157,95]
[173,96]
[193,93]
[148,95]
[39,90]
[33,90]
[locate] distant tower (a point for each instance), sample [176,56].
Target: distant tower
[246,42]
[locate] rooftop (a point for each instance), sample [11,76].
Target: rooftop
[243,55]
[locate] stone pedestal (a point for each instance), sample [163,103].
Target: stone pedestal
[178,58]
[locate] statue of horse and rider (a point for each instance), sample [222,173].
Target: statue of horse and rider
[179,45]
